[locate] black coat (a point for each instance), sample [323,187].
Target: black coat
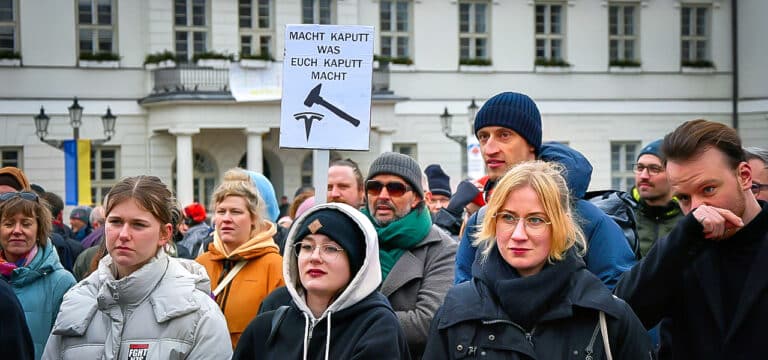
[680,278]
[471,323]
[15,341]
[367,330]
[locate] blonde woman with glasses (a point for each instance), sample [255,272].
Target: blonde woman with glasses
[531,296]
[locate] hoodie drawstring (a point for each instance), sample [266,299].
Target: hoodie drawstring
[328,335]
[306,334]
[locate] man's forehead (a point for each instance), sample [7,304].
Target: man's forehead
[491,129]
[649,159]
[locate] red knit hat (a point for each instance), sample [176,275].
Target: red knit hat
[195,211]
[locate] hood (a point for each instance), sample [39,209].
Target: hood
[578,170]
[261,243]
[267,192]
[365,282]
[45,262]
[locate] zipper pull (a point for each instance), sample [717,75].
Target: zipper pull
[529,337]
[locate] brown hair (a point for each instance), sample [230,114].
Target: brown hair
[148,191]
[359,178]
[547,181]
[34,209]
[696,136]
[297,202]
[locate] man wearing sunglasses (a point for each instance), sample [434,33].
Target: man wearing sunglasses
[757,158]
[508,128]
[416,256]
[657,211]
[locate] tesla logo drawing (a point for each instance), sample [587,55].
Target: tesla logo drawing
[314,98]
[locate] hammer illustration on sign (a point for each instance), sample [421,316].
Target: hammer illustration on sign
[315,98]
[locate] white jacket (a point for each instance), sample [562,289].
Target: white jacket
[161,311]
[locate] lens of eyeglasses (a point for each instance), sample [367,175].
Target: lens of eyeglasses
[327,252]
[26,195]
[756,187]
[394,188]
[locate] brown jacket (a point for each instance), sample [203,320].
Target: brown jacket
[241,298]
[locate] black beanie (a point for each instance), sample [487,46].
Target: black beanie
[398,164]
[439,182]
[340,228]
[513,111]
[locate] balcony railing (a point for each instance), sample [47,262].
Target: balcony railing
[186,78]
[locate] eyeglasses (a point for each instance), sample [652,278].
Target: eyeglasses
[394,189]
[327,252]
[652,169]
[534,225]
[26,195]
[758,187]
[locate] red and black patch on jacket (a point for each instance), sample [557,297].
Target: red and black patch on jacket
[138,351]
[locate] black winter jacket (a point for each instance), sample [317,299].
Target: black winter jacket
[15,341]
[366,330]
[472,324]
[681,278]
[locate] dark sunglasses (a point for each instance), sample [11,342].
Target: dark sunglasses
[758,187]
[395,188]
[26,195]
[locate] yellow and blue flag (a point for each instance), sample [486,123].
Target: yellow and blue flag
[77,171]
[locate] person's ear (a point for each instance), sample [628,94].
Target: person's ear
[744,175]
[166,232]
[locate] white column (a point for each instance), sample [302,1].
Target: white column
[254,149]
[385,140]
[184,172]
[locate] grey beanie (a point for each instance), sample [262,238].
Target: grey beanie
[398,164]
[513,111]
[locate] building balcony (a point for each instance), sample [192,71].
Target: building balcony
[193,82]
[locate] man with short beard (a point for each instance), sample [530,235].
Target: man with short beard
[708,274]
[417,258]
[345,183]
[657,211]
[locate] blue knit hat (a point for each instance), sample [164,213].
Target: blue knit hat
[653,148]
[513,111]
[439,182]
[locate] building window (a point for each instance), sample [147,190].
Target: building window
[191,28]
[395,27]
[318,11]
[694,34]
[96,26]
[405,149]
[256,27]
[9,42]
[10,156]
[622,38]
[104,171]
[550,32]
[623,156]
[473,30]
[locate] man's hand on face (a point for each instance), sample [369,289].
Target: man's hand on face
[718,223]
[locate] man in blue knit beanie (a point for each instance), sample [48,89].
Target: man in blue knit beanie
[508,128]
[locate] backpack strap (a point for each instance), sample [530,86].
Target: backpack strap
[277,318]
[231,275]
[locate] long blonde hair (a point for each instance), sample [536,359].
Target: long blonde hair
[238,183]
[549,184]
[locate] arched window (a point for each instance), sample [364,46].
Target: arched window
[204,175]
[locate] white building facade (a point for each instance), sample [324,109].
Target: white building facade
[609,76]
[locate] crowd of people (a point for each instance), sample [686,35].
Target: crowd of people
[397,264]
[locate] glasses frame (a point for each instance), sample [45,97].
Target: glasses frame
[327,258]
[535,230]
[389,186]
[26,195]
[652,170]
[758,187]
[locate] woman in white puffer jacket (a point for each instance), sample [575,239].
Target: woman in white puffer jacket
[140,303]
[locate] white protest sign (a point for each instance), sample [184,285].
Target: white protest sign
[327,87]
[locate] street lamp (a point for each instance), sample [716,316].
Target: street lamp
[75,120]
[446,119]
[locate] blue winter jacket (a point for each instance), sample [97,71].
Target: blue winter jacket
[608,254]
[40,288]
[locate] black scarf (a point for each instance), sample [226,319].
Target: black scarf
[526,299]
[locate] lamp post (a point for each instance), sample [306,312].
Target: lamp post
[445,119]
[75,120]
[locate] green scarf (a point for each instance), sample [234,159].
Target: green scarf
[400,235]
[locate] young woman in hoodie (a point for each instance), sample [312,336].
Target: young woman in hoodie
[332,272]
[140,303]
[531,296]
[243,261]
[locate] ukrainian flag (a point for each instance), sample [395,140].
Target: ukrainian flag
[77,169]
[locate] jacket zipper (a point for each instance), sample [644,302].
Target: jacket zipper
[528,335]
